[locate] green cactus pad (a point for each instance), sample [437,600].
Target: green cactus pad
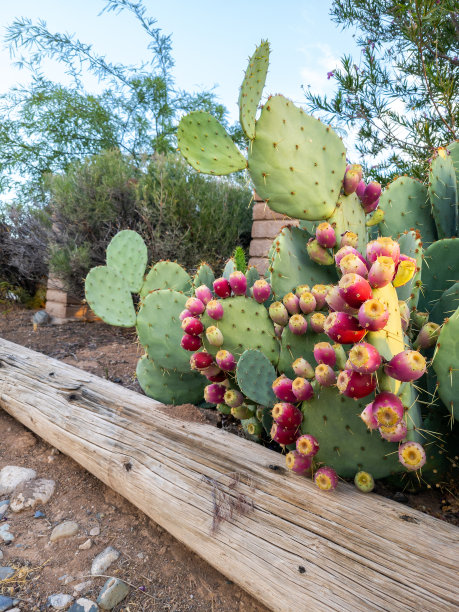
[252,276]
[440,270]
[159,330]
[296,163]
[443,194]
[245,325]
[453,149]
[294,346]
[252,88]
[204,276]
[127,255]
[207,146]
[410,244]
[229,268]
[291,265]
[255,376]
[446,364]
[109,297]
[169,386]
[446,305]
[406,206]
[166,275]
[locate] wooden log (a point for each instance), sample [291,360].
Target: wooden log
[293,547]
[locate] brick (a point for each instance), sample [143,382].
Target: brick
[56,309]
[55,283]
[259,247]
[262,211]
[56,295]
[260,263]
[270,229]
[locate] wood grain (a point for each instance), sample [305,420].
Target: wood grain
[290,545]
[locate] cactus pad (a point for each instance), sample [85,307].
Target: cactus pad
[229,268]
[204,276]
[410,244]
[440,270]
[109,297]
[252,88]
[166,275]
[443,194]
[127,254]
[252,276]
[255,376]
[294,346]
[446,364]
[446,305]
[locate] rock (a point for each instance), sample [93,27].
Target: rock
[4,507]
[113,591]
[5,533]
[86,545]
[14,610]
[12,476]
[103,560]
[6,572]
[38,514]
[30,494]
[1,555]
[82,587]
[95,531]
[6,603]
[67,529]
[59,601]
[83,605]
[41,317]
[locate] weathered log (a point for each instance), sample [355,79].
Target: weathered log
[290,545]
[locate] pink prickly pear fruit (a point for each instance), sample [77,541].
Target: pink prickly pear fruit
[200,361]
[411,455]
[318,254]
[320,292]
[307,302]
[195,306]
[214,374]
[369,208]
[297,463]
[343,328]
[427,336]
[349,239]
[214,393]
[373,315]
[291,303]
[383,247]
[337,303]
[303,368]
[307,445]
[282,388]
[287,415]
[364,358]
[405,271]
[301,289]
[316,322]
[324,353]
[233,398]
[381,272]
[225,360]
[364,482]
[372,192]
[190,343]
[298,324]
[302,389]
[214,336]
[396,433]
[326,479]
[203,293]
[406,366]
[387,409]
[355,168]
[404,314]
[185,314]
[283,435]
[222,288]
[278,313]
[215,310]
[238,283]
[351,182]
[193,326]
[355,289]
[360,189]
[351,264]
[261,291]
[278,329]
[368,417]
[347,250]
[355,385]
[325,235]
[324,375]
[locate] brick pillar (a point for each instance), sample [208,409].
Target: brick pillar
[266,225]
[62,305]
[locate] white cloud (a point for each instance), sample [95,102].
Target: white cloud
[320,60]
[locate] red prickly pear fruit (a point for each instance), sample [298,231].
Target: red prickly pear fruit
[222,288]
[337,303]
[297,463]
[406,366]
[203,293]
[291,303]
[318,254]
[287,415]
[349,239]
[261,291]
[326,479]
[233,398]
[303,368]
[381,272]
[325,235]
[348,250]
[307,445]
[355,289]
[200,361]
[214,336]
[396,433]
[302,389]
[282,388]
[298,324]
[368,417]
[316,322]
[325,375]
[195,306]
[190,343]
[371,194]
[301,289]
[351,182]
[225,360]
[185,314]
[387,409]
[351,264]
[360,189]
[278,313]
[383,247]
[343,328]
[364,358]
[369,208]
[283,435]
[373,315]
[278,329]
[217,378]
[214,393]
[364,482]
[238,283]
[411,455]
[211,371]
[405,314]
[215,310]
[324,353]
[320,292]
[405,271]
[427,336]
[307,302]
[193,326]
[355,385]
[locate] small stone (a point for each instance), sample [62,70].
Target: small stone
[6,572]
[140,555]
[113,591]
[4,507]
[95,531]
[83,605]
[67,529]
[5,533]
[55,451]
[103,560]
[50,458]
[31,494]
[41,317]
[38,514]
[14,610]
[59,601]
[1,555]
[82,587]
[11,476]
[86,545]
[5,603]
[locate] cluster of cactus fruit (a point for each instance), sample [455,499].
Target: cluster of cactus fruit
[346,353]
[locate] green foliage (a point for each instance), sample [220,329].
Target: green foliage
[240,260]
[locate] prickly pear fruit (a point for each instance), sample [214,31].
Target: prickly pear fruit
[282,388]
[355,385]
[222,288]
[307,445]
[387,409]
[427,336]
[343,328]
[185,314]
[278,313]
[320,293]
[406,366]
[326,479]
[303,368]
[283,435]
[297,463]
[214,393]
[396,433]
[348,250]
[355,289]
[193,326]
[261,291]
[351,264]
[233,398]
[349,239]
[190,343]
[291,303]
[200,361]
[241,412]
[337,303]
[204,294]
[351,181]
[302,389]
[195,306]
[301,289]
[411,455]
[238,283]
[405,271]
[381,272]
[318,254]
[364,358]
[316,322]
[215,310]
[364,482]
[324,353]
[325,375]
[368,417]
[325,235]
[360,189]
[225,361]
[371,194]
[369,208]
[307,302]
[297,324]
[373,315]
[214,336]
[383,247]
[287,415]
